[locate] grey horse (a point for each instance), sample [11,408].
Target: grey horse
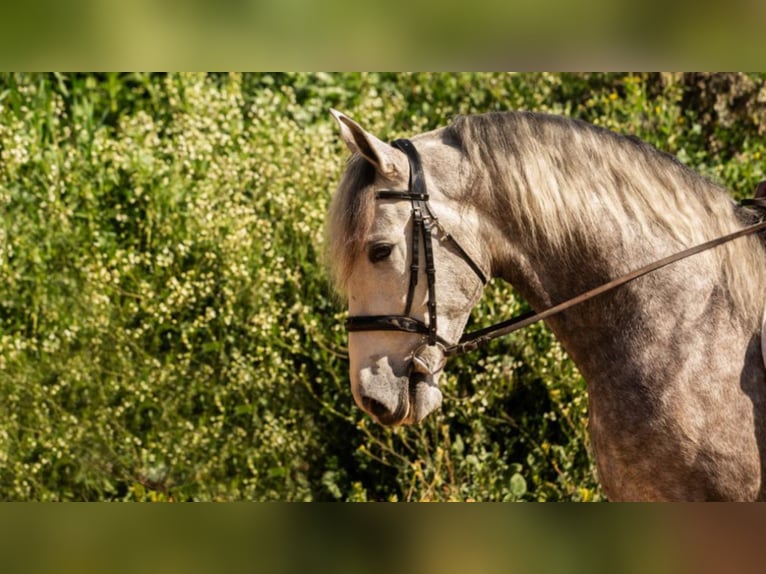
[672,361]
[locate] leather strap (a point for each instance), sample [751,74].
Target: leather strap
[755,201]
[476,339]
[390,194]
[417,223]
[391,323]
[428,249]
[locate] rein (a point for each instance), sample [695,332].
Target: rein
[480,337]
[424,222]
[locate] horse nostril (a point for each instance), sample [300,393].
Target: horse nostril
[379,411]
[375,407]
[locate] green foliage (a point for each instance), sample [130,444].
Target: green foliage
[166,328]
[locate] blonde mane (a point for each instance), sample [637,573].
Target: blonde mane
[548,171]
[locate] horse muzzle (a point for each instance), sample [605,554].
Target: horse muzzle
[394,400]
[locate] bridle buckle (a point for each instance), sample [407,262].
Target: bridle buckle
[421,365]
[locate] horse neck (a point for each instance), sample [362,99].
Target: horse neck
[690,295]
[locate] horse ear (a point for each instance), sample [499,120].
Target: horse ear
[760,191]
[386,159]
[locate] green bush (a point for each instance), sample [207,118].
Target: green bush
[167,331]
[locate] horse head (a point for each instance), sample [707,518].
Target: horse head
[394,253]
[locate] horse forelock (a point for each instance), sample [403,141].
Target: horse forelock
[349,220]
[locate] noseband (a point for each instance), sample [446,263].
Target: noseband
[423,223]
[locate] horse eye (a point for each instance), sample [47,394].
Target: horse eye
[379,252]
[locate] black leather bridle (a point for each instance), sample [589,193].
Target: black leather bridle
[424,221]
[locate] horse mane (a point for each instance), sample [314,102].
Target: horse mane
[561,182]
[548,170]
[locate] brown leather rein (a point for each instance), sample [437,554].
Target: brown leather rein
[424,221]
[472,341]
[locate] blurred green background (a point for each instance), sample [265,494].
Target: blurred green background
[167,331]
[345,35]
